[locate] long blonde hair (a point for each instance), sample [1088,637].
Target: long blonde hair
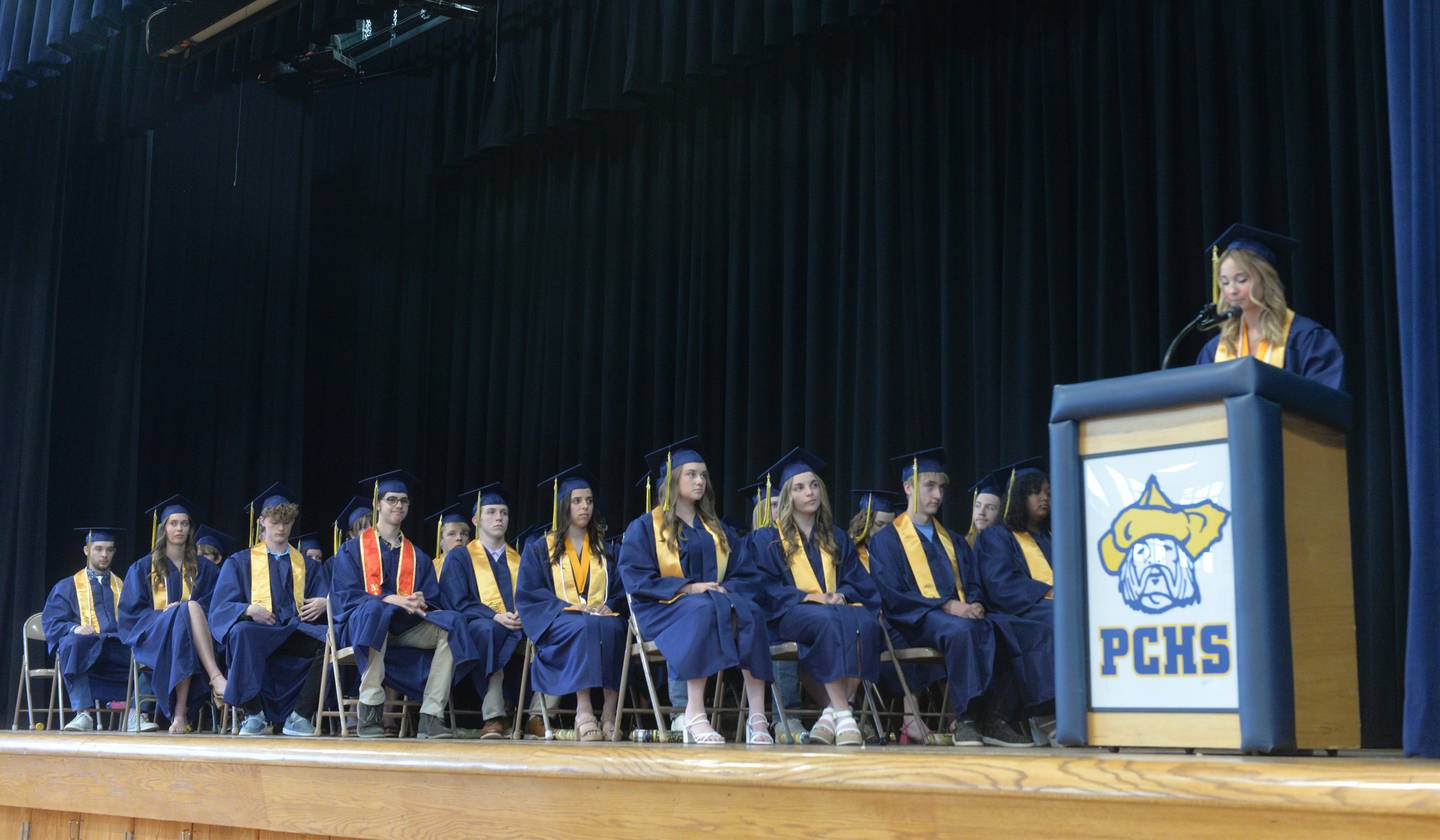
[824,531]
[705,509]
[160,565]
[1266,291]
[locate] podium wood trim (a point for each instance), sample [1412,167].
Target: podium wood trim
[1218,730]
[1174,426]
[1322,603]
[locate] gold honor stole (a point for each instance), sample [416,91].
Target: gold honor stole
[919,565]
[485,582]
[1035,559]
[85,596]
[160,594]
[1273,356]
[669,560]
[260,577]
[590,563]
[375,572]
[803,572]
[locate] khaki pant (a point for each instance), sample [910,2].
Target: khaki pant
[426,636]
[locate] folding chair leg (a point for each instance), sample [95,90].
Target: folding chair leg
[715,701]
[57,691]
[50,707]
[661,729]
[872,700]
[545,716]
[29,699]
[19,689]
[517,734]
[624,681]
[780,710]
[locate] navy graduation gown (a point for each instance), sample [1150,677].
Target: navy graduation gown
[100,656]
[460,594]
[161,639]
[573,650]
[699,634]
[369,620]
[1310,351]
[251,648]
[1005,576]
[826,636]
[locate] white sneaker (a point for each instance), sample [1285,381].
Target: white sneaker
[139,723]
[82,722]
[296,725]
[254,725]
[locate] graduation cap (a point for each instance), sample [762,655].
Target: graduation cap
[920,461]
[528,535]
[100,533]
[219,540]
[1266,244]
[493,493]
[991,482]
[166,509]
[1016,470]
[796,461]
[445,516]
[272,496]
[665,459]
[353,511]
[754,493]
[395,481]
[564,483]
[876,501]
[310,542]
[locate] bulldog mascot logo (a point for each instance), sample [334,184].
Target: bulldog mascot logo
[1152,546]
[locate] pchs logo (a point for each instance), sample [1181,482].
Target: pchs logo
[1152,545]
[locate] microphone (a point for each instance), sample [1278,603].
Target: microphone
[1208,317]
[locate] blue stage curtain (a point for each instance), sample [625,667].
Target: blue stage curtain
[38,37]
[1412,45]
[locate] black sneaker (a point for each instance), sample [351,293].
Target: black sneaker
[432,727]
[999,733]
[371,721]
[965,734]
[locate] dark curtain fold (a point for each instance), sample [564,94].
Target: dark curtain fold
[1413,51]
[784,223]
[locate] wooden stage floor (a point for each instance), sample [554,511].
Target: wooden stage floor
[115,785]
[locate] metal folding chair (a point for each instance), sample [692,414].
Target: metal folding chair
[790,652]
[333,658]
[33,631]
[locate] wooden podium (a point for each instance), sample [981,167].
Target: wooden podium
[1203,593]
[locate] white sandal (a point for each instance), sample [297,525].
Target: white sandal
[847,731]
[757,730]
[823,732]
[707,738]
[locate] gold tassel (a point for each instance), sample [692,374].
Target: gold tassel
[335,538]
[375,507]
[439,523]
[1009,491]
[555,505]
[154,525]
[648,504]
[90,536]
[914,485]
[1215,275]
[869,504]
[250,525]
[766,518]
[668,477]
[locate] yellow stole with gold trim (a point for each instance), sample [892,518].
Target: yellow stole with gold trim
[919,565]
[1273,356]
[669,559]
[485,583]
[589,563]
[85,596]
[1035,559]
[160,593]
[260,577]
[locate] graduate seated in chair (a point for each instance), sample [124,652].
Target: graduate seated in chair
[817,594]
[932,596]
[571,605]
[268,611]
[212,545]
[477,581]
[82,630]
[310,547]
[986,499]
[678,561]
[384,590]
[163,614]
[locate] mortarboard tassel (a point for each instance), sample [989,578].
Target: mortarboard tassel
[335,538]
[668,469]
[439,523]
[250,524]
[914,485]
[1009,491]
[154,524]
[648,505]
[89,536]
[555,505]
[765,518]
[869,503]
[375,507]
[1215,276]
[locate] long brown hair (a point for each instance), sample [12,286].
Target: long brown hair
[705,509]
[1266,291]
[594,532]
[861,524]
[824,531]
[159,564]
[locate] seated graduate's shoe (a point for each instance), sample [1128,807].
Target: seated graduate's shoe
[298,726]
[823,732]
[847,731]
[432,727]
[534,728]
[1042,731]
[964,734]
[255,725]
[82,722]
[999,733]
[371,723]
[494,729]
[140,722]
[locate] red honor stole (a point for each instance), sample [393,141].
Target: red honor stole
[375,572]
